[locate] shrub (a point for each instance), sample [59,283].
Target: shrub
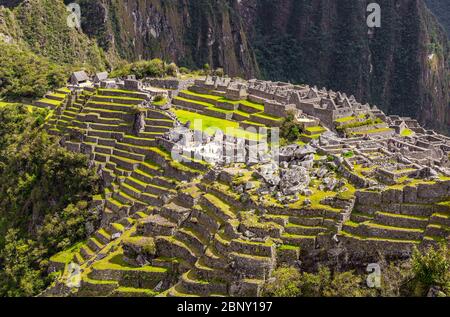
[172,70]
[284,283]
[158,98]
[289,282]
[290,130]
[184,70]
[431,268]
[219,72]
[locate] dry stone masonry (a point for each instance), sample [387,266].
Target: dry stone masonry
[359,184]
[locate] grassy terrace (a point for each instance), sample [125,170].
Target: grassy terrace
[117,97]
[160,103]
[407,132]
[210,125]
[316,130]
[373,131]
[115,261]
[67,255]
[348,119]
[359,237]
[58,95]
[119,90]
[4,104]
[222,99]
[51,102]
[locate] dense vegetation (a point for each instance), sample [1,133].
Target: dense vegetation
[37,55]
[142,69]
[24,74]
[425,271]
[44,195]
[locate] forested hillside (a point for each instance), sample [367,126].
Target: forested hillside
[44,195]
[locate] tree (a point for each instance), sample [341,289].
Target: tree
[172,70]
[44,195]
[219,72]
[207,69]
[24,74]
[284,283]
[290,130]
[431,268]
[21,275]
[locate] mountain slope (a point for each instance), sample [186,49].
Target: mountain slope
[328,44]
[402,66]
[191,33]
[41,26]
[441,8]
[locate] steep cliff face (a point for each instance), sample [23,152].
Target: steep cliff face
[402,66]
[192,33]
[441,8]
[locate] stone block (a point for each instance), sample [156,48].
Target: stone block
[392,196]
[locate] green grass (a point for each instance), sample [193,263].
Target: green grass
[160,103]
[220,204]
[222,99]
[57,95]
[378,226]
[4,104]
[266,116]
[115,262]
[423,218]
[288,247]
[345,119]
[120,91]
[362,238]
[67,255]
[117,97]
[247,103]
[133,291]
[50,101]
[407,132]
[211,124]
[315,130]
[373,131]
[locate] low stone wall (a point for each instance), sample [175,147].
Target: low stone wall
[372,248]
[226,106]
[117,100]
[422,194]
[117,93]
[266,121]
[217,114]
[188,105]
[256,99]
[163,83]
